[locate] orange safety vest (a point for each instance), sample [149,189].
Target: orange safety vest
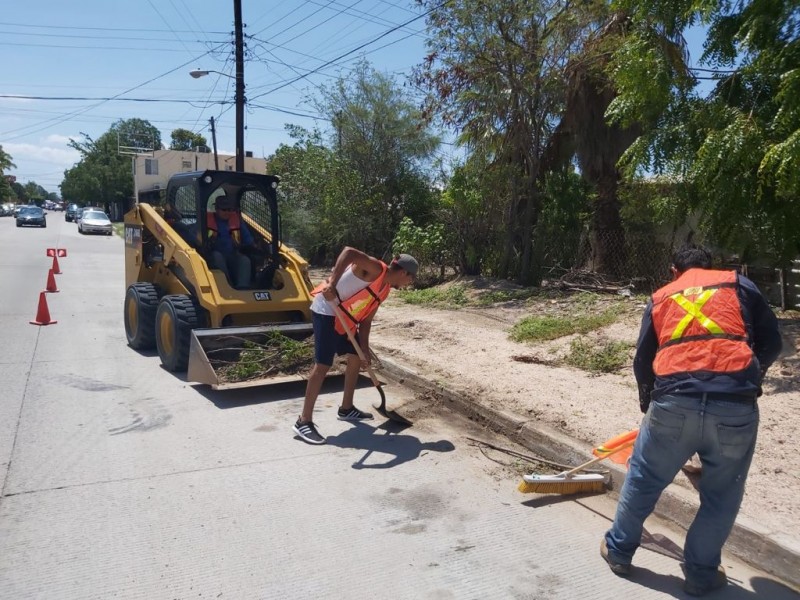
[234,227]
[699,325]
[362,304]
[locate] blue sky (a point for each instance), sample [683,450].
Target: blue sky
[102,48]
[96,49]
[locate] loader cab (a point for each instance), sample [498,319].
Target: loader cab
[190,203]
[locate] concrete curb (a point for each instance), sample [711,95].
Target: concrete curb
[748,541]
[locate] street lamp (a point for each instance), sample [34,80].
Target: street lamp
[239,99]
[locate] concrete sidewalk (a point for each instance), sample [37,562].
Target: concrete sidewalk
[748,541]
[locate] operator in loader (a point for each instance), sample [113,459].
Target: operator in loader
[358,284]
[228,236]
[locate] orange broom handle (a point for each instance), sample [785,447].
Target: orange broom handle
[622,438]
[627,444]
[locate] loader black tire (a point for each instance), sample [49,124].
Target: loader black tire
[141,304]
[175,319]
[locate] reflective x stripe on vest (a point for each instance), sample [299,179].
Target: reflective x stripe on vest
[363,303]
[699,325]
[693,312]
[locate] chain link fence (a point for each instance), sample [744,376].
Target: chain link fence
[614,258]
[640,261]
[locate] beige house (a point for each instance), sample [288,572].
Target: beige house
[151,172]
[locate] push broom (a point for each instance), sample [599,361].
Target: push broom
[572,481]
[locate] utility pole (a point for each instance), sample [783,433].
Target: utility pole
[214,142]
[239,38]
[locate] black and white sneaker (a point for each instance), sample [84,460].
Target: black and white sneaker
[308,432]
[353,414]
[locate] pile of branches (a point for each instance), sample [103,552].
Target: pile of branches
[276,355]
[591,281]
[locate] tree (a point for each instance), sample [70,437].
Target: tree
[375,162]
[472,213]
[19,192]
[136,133]
[737,150]
[379,137]
[185,140]
[307,176]
[6,192]
[35,193]
[495,75]
[616,47]
[103,175]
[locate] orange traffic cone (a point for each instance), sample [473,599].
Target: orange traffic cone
[43,314]
[56,268]
[51,282]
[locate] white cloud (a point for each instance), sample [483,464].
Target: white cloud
[14,100]
[60,156]
[58,140]
[43,162]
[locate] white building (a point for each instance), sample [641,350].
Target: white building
[151,172]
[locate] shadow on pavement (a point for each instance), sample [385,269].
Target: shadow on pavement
[673,586]
[661,544]
[292,390]
[542,500]
[401,447]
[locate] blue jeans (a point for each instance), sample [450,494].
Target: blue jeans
[236,267]
[723,434]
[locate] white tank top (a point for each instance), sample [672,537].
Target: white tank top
[349,285]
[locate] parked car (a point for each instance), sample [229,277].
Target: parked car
[6,210]
[83,210]
[94,221]
[71,213]
[31,215]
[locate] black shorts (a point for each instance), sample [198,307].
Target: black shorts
[327,342]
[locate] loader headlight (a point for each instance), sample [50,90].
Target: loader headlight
[208,179]
[274,185]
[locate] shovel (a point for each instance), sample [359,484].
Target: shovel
[389,414]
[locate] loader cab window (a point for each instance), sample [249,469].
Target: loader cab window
[181,212]
[256,206]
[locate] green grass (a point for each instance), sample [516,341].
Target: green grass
[540,329]
[494,297]
[605,357]
[119,229]
[454,296]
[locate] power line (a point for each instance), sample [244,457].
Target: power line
[74,27]
[113,98]
[57,121]
[126,48]
[103,37]
[158,12]
[354,50]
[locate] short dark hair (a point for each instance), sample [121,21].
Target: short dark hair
[691,256]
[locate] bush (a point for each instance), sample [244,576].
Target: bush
[603,357]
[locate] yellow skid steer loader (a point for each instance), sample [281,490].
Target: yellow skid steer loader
[176,303]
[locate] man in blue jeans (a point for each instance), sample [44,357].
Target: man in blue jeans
[228,236]
[705,344]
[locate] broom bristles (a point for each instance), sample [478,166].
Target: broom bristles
[560,484]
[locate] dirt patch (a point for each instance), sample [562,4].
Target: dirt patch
[471,349]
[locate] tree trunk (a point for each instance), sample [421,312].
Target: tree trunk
[608,236]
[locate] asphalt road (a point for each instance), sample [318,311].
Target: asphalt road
[121,480]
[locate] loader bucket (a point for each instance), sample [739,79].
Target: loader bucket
[212,351]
